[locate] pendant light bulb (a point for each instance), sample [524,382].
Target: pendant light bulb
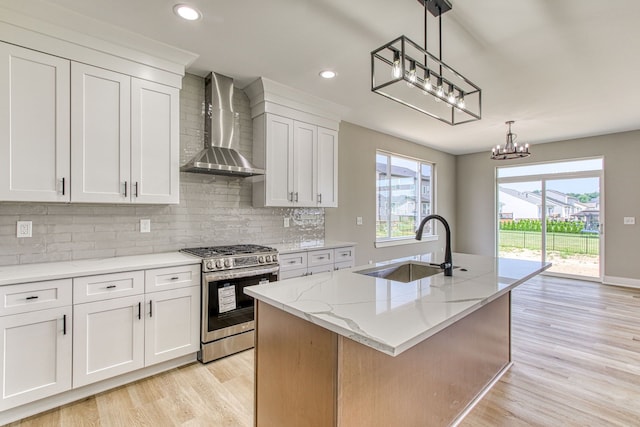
[412,74]
[439,88]
[461,103]
[451,96]
[396,70]
[428,87]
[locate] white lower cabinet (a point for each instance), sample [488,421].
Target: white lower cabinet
[305,263]
[118,334]
[36,355]
[172,324]
[108,339]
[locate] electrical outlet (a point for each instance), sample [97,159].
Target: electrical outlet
[358,220]
[145,225]
[23,229]
[629,220]
[286,222]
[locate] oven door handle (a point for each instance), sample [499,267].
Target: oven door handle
[214,276]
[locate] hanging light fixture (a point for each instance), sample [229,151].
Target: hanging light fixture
[432,87]
[511,148]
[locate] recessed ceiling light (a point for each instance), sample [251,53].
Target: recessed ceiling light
[187,12]
[328,74]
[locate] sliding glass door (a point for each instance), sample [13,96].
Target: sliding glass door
[552,212]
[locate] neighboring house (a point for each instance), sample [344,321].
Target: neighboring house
[526,204]
[403,185]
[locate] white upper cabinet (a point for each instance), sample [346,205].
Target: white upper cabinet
[327,167]
[155,142]
[100,135]
[34,126]
[305,140]
[99,127]
[295,139]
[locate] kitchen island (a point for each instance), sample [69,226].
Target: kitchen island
[347,349]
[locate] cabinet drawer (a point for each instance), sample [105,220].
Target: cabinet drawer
[320,257]
[160,279]
[28,297]
[317,269]
[107,286]
[344,254]
[343,265]
[293,261]
[291,273]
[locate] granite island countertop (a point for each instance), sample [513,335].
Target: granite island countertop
[392,316]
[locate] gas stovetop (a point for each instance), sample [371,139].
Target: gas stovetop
[218,258]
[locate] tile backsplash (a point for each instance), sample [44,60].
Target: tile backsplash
[213,210]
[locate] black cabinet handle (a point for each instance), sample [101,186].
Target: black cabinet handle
[296,196]
[32,297]
[136,188]
[111,286]
[175,278]
[139,310]
[150,308]
[63,185]
[125,189]
[64,324]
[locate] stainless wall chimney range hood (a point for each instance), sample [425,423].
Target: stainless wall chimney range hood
[221,134]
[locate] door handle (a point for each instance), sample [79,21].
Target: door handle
[64,324]
[136,188]
[63,185]
[125,189]
[296,196]
[150,308]
[139,310]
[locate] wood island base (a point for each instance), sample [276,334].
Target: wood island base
[309,376]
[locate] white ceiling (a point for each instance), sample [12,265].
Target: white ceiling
[560,68]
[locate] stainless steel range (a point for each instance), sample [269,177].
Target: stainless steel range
[227,313]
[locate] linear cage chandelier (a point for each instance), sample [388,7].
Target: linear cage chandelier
[409,74]
[511,148]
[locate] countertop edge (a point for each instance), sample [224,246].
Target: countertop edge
[26,273]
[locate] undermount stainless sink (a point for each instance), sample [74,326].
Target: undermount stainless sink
[404,272]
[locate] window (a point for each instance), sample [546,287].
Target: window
[403,188]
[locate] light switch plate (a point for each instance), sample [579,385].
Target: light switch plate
[145,225]
[629,220]
[286,222]
[23,229]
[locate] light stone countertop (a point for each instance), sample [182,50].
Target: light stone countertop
[14,274]
[393,316]
[286,248]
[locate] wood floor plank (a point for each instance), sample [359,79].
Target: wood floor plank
[575,348]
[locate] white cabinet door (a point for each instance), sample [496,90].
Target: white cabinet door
[34,126]
[155,142]
[279,161]
[172,324]
[305,139]
[36,355]
[108,339]
[327,164]
[100,135]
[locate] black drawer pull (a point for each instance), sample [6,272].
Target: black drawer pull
[150,308]
[111,286]
[64,324]
[175,278]
[139,310]
[32,297]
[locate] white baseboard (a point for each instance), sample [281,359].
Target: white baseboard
[621,281]
[20,412]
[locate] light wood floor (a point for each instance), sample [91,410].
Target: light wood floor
[576,353]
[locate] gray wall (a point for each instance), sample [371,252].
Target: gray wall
[212,210]
[357,192]
[475,196]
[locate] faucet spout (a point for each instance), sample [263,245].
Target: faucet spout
[447,265]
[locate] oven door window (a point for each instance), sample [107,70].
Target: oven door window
[228,304]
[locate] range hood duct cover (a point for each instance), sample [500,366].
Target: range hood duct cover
[221,134]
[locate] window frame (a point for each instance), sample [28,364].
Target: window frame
[418,202]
